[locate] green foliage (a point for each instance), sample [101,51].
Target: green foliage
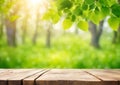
[67,23]
[63,4]
[111,2]
[83,25]
[2,1]
[95,17]
[14,18]
[84,6]
[89,2]
[73,18]
[52,16]
[8,9]
[68,51]
[116,10]
[103,2]
[77,11]
[1,5]
[114,23]
[56,18]
[46,16]
[107,3]
[105,11]
[6,6]
[92,6]
[94,10]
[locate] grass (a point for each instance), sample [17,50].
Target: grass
[67,51]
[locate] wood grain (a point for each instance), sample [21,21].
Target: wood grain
[67,77]
[108,77]
[31,79]
[18,78]
[6,74]
[59,77]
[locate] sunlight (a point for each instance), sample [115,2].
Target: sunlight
[42,5]
[35,2]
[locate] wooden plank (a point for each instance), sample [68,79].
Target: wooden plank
[31,79]
[59,77]
[67,77]
[2,70]
[109,77]
[106,74]
[7,73]
[17,79]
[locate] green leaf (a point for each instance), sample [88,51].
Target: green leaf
[84,6]
[103,2]
[73,18]
[116,10]
[95,18]
[97,10]
[89,2]
[111,2]
[80,1]
[77,11]
[67,23]
[105,11]
[83,25]
[85,13]
[14,18]
[107,3]
[66,10]
[56,18]
[49,16]
[92,6]
[46,16]
[114,23]
[62,4]
[2,2]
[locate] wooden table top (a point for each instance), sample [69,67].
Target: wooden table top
[59,77]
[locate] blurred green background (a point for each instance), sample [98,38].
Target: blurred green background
[27,41]
[67,51]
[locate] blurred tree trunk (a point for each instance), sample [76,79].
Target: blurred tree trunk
[1,31]
[76,30]
[1,26]
[10,24]
[36,29]
[25,24]
[35,35]
[116,36]
[11,32]
[95,33]
[24,30]
[119,34]
[48,39]
[119,1]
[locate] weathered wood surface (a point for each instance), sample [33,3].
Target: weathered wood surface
[59,77]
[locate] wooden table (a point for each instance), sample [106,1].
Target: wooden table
[59,77]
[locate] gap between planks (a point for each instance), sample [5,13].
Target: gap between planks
[41,77]
[18,80]
[31,80]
